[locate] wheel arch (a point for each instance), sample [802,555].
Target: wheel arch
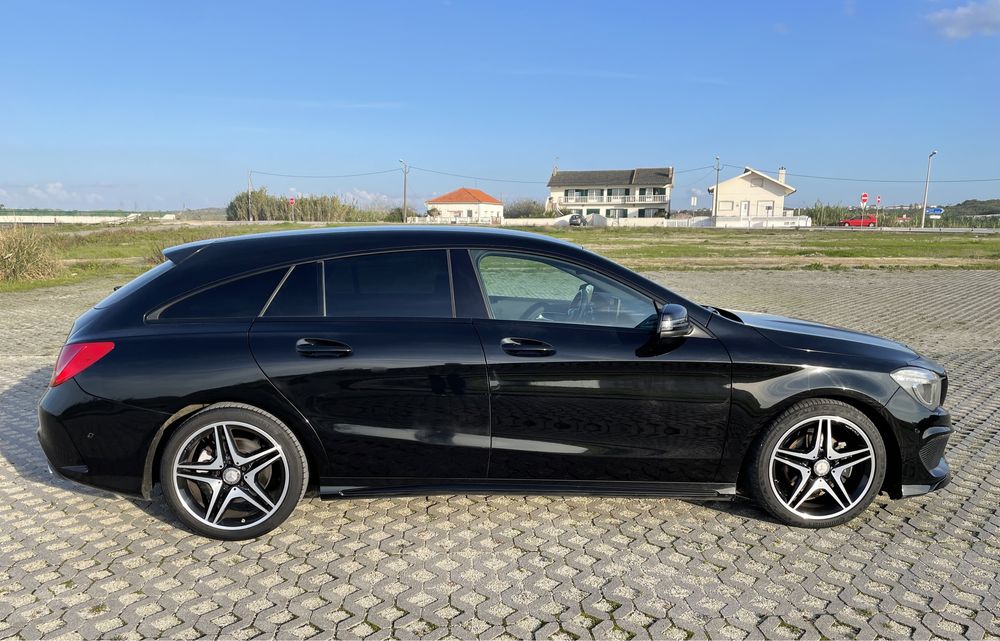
[300,427]
[868,406]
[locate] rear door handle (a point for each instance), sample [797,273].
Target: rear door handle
[322,347]
[526,347]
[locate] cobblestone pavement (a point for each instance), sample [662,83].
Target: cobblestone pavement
[79,563]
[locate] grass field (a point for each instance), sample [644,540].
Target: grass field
[88,252]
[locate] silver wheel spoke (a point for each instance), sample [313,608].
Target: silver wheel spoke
[230,493]
[825,481]
[842,467]
[805,495]
[216,464]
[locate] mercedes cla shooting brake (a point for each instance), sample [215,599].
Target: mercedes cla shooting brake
[243,372]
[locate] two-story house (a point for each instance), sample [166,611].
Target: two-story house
[614,193]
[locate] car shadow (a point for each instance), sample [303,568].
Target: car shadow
[20,449]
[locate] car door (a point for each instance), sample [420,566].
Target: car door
[369,350]
[581,387]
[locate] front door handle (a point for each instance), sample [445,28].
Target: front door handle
[322,347]
[526,347]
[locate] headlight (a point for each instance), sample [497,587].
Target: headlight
[922,384]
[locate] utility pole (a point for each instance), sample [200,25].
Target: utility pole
[927,184]
[715,199]
[249,189]
[406,171]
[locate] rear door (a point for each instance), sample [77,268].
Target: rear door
[369,350]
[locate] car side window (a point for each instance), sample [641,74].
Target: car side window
[301,294]
[390,285]
[235,299]
[540,289]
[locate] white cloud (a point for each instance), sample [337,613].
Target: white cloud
[375,200]
[969,19]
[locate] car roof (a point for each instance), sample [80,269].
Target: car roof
[239,253]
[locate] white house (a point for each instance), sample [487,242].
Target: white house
[465,206]
[752,194]
[614,193]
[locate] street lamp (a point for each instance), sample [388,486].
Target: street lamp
[927,183]
[406,170]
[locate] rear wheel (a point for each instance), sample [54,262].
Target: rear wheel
[871,224]
[821,463]
[233,472]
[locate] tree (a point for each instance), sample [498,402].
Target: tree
[525,208]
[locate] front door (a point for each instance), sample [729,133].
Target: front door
[581,390]
[393,383]
[744,208]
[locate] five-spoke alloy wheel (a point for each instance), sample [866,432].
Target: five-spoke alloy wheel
[233,472]
[820,464]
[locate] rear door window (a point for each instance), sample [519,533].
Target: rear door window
[235,299]
[301,294]
[391,285]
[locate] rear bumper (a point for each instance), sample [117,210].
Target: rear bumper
[95,441]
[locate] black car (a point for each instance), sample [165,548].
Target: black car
[242,372]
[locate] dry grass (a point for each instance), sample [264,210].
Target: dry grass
[26,254]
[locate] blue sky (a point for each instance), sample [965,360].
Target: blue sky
[159,105]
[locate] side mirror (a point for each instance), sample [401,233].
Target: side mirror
[674,321]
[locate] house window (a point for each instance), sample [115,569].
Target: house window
[617,213]
[765,208]
[725,205]
[468,212]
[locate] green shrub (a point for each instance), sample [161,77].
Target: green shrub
[25,254]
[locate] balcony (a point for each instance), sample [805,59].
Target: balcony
[594,199]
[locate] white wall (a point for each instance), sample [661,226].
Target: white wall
[758,191]
[482,213]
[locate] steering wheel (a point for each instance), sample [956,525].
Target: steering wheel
[531,312]
[581,309]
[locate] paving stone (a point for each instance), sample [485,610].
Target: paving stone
[79,563]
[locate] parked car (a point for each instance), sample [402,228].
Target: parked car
[242,372]
[577,220]
[868,220]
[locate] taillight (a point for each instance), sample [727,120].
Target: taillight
[76,357]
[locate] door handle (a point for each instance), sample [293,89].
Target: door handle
[322,347]
[526,347]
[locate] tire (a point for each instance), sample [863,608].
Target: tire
[846,225]
[871,224]
[794,476]
[233,472]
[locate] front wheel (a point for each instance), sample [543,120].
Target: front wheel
[871,224]
[821,463]
[233,472]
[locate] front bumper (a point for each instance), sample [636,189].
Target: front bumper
[95,441]
[923,438]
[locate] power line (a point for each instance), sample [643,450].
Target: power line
[367,173]
[877,180]
[496,180]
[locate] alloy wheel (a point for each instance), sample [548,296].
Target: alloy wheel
[230,475]
[822,467]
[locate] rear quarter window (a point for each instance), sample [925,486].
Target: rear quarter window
[134,285]
[235,299]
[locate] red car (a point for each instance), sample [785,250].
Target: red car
[862,221]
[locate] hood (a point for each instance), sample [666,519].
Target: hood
[816,337]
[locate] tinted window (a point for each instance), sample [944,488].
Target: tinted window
[299,294]
[531,288]
[398,284]
[241,298]
[134,285]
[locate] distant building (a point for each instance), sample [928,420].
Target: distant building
[466,206]
[613,193]
[752,194]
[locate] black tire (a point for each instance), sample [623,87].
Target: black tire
[295,470]
[758,470]
[871,224]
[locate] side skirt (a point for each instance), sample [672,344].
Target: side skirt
[345,488]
